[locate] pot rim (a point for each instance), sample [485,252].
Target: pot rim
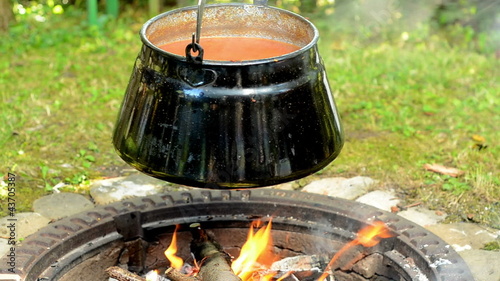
[303,49]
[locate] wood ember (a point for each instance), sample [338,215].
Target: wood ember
[121,274]
[215,263]
[300,263]
[303,267]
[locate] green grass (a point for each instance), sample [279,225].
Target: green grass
[403,103]
[61,88]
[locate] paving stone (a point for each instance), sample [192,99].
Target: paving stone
[383,200]
[483,264]
[340,187]
[59,205]
[26,224]
[422,216]
[135,185]
[465,236]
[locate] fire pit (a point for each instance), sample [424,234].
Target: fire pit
[81,247]
[233,123]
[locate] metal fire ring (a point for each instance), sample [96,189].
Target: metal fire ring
[49,252]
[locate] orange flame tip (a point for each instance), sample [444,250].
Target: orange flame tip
[368,237]
[175,261]
[251,251]
[371,235]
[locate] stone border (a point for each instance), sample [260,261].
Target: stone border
[45,248]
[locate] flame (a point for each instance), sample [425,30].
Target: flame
[371,235]
[175,261]
[255,255]
[152,276]
[367,237]
[267,277]
[252,251]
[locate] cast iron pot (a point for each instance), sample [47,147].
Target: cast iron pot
[228,124]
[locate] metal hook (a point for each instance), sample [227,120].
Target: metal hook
[195,46]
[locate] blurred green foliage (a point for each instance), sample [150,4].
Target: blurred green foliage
[475,23]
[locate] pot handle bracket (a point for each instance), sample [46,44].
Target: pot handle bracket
[194,48]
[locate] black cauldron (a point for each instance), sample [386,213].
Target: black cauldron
[229,124]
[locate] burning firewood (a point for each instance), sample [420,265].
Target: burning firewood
[212,263]
[121,274]
[304,265]
[174,275]
[215,263]
[300,263]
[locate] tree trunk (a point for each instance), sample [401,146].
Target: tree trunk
[6,15]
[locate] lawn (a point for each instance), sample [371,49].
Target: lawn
[407,97]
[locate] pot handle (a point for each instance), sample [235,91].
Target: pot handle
[194,47]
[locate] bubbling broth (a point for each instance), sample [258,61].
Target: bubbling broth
[234,48]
